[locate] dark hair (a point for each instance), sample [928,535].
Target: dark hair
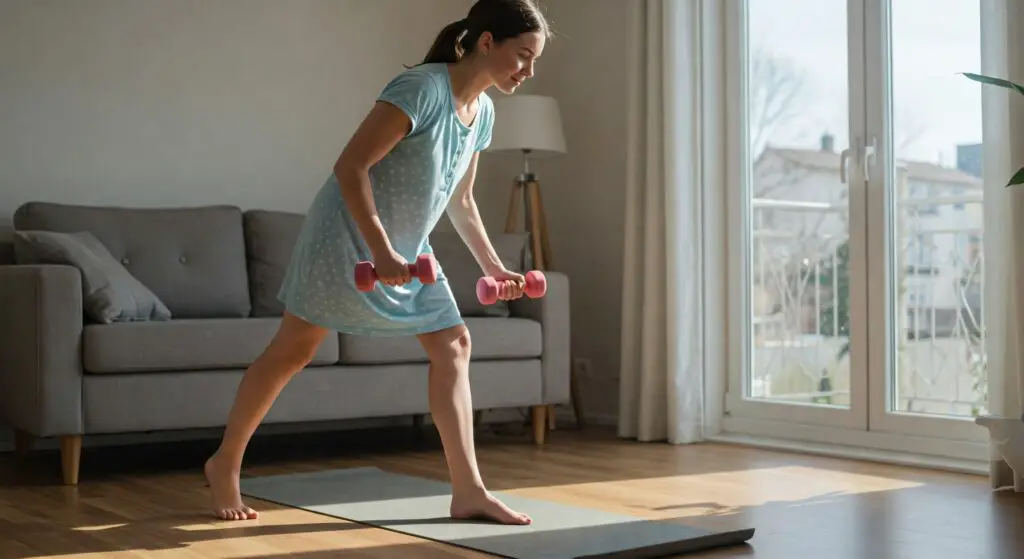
[504,19]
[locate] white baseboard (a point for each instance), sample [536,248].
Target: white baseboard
[567,415]
[602,419]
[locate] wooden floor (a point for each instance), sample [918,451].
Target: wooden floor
[149,502]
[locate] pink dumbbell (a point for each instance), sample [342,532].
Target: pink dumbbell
[425,269]
[487,287]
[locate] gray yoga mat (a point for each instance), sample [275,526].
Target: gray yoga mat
[419,507]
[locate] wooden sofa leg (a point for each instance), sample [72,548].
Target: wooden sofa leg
[22,442]
[540,424]
[70,458]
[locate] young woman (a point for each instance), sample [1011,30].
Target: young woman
[412,159]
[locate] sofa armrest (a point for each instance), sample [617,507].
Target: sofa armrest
[41,324]
[552,311]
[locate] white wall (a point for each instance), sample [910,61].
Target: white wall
[187,102]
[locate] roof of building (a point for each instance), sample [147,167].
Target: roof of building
[917,170]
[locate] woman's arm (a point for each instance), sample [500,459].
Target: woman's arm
[383,127]
[465,216]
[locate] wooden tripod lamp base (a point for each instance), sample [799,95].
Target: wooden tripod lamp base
[526,188]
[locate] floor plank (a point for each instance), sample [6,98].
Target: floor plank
[149,502]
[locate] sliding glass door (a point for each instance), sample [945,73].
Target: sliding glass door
[925,218]
[856,204]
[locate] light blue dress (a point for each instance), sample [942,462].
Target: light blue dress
[412,186]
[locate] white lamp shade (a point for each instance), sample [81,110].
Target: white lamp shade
[527,122]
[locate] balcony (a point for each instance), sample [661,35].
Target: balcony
[800,307]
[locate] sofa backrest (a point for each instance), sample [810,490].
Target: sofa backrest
[269,239]
[218,261]
[192,258]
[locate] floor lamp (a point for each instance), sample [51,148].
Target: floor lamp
[531,127]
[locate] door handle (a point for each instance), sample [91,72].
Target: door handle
[868,159]
[869,156]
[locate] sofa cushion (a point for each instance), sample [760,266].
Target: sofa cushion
[269,239]
[462,271]
[492,338]
[193,259]
[184,344]
[109,292]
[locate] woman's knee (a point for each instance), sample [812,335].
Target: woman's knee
[462,346]
[452,345]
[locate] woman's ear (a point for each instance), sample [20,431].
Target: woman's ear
[485,43]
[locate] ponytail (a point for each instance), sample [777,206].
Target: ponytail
[503,19]
[447,46]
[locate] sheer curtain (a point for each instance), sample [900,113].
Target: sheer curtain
[1003,140]
[663,359]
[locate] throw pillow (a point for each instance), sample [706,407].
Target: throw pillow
[110,293]
[462,270]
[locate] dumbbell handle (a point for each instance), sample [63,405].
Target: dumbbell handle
[423,269]
[410,267]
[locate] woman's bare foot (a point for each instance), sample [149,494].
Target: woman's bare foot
[483,505]
[226,493]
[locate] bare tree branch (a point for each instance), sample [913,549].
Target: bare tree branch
[907,130]
[775,83]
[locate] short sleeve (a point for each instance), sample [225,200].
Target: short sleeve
[417,94]
[486,123]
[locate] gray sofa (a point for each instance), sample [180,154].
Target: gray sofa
[215,271]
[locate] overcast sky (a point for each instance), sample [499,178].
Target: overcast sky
[932,42]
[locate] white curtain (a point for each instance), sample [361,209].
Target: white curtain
[662,369]
[1003,140]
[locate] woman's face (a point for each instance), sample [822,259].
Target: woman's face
[511,62]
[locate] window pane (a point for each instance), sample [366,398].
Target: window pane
[938,346]
[798,111]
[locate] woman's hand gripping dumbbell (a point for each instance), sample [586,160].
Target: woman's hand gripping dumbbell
[487,288]
[425,269]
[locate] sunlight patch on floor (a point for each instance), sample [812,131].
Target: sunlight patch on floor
[717,493]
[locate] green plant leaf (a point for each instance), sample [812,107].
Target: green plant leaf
[1018,178]
[989,80]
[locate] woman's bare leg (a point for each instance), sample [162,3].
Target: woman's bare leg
[451,407]
[292,348]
